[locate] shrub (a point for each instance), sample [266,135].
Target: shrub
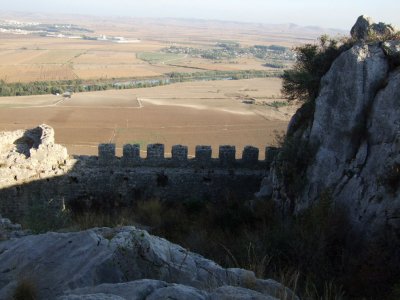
[45,216]
[302,82]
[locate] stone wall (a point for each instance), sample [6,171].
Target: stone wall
[203,157]
[48,175]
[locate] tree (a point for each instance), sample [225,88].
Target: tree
[302,82]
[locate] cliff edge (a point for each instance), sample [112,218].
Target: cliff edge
[353,136]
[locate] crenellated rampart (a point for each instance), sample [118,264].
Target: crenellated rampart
[155,157]
[35,170]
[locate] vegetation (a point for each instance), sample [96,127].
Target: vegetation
[59,87]
[43,217]
[302,82]
[157,57]
[316,253]
[277,55]
[277,104]
[25,290]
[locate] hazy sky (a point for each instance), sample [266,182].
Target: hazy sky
[332,13]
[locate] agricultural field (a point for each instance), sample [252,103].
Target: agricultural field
[132,48]
[208,112]
[235,112]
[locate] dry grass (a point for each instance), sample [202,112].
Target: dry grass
[107,57]
[56,56]
[28,73]
[236,64]
[98,71]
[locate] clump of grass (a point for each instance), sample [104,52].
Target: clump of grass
[25,290]
[46,216]
[278,104]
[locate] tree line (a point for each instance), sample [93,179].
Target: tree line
[78,85]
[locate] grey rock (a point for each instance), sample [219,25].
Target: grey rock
[147,289]
[237,293]
[107,259]
[178,292]
[365,28]
[361,28]
[356,131]
[265,189]
[392,51]
[91,297]
[134,290]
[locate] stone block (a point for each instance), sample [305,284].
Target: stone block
[155,152]
[130,153]
[250,155]
[106,153]
[179,153]
[203,153]
[227,154]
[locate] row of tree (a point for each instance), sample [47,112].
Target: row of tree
[59,87]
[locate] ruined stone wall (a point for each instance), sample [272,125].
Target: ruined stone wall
[107,181]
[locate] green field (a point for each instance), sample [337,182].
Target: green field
[159,57]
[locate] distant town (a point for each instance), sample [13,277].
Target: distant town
[69,31]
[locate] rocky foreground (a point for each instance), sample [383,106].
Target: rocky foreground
[123,263]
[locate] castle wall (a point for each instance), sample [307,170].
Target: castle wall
[106,181]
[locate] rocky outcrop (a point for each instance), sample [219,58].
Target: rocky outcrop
[124,263]
[355,131]
[158,290]
[27,155]
[365,28]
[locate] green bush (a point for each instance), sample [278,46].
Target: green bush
[302,82]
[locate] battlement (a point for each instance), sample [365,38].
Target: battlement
[36,167]
[179,156]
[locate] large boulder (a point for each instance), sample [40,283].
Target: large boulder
[105,263]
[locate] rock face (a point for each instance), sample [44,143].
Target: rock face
[124,263]
[27,155]
[356,133]
[365,27]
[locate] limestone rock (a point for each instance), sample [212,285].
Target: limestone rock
[265,189]
[392,51]
[96,263]
[365,27]
[356,133]
[360,29]
[158,290]
[27,155]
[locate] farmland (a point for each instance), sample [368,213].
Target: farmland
[110,53]
[210,113]
[96,49]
